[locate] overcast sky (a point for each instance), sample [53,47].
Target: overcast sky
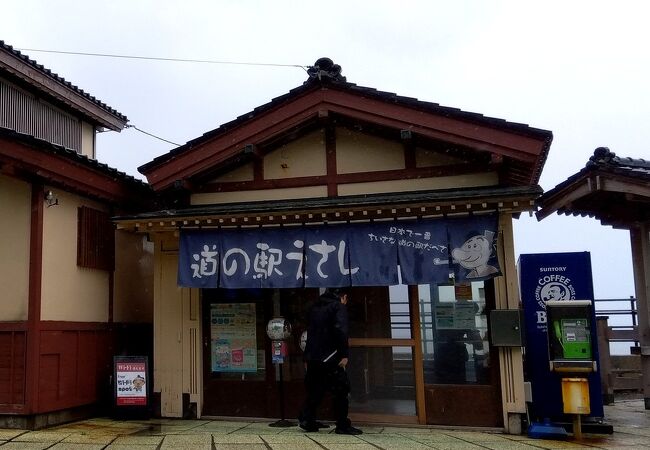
[580,69]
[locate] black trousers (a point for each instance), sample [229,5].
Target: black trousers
[320,378]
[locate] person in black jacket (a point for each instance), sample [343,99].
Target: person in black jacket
[326,357]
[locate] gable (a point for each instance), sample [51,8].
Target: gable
[518,150]
[339,160]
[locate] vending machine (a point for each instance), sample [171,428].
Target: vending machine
[561,341]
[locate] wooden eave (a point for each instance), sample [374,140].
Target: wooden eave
[615,200]
[526,151]
[34,164]
[60,91]
[394,206]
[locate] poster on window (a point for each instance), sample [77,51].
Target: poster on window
[457,315]
[130,381]
[233,336]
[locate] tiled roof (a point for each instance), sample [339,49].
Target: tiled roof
[61,80]
[73,156]
[604,160]
[339,82]
[610,188]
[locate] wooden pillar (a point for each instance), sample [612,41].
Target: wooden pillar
[605,362]
[641,264]
[510,358]
[168,329]
[32,363]
[418,364]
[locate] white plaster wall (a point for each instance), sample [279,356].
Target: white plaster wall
[258,195]
[419,184]
[87,140]
[69,292]
[15,220]
[303,157]
[429,158]
[357,152]
[243,173]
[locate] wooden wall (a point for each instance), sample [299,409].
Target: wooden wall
[75,362]
[13,344]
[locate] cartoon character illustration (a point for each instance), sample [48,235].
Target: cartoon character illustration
[138,383]
[474,255]
[555,291]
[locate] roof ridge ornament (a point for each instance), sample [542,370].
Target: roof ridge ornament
[602,155]
[325,70]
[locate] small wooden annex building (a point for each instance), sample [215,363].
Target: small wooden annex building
[254,209]
[616,191]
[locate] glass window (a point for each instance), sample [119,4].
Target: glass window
[293,306]
[237,331]
[379,312]
[454,333]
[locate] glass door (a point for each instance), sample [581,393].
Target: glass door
[460,367]
[382,358]
[240,379]
[235,352]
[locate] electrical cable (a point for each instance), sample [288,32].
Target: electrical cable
[155,58]
[152,135]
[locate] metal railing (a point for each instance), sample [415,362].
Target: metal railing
[618,331]
[618,372]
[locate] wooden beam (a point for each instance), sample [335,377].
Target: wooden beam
[616,185]
[380,342]
[335,179]
[564,198]
[330,158]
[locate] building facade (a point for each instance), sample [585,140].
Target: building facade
[336,184]
[62,298]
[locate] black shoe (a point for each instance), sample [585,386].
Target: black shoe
[348,430]
[321,424]
[309,427]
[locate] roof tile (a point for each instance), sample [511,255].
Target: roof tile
[61,80]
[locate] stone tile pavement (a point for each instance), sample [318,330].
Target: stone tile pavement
[631,431]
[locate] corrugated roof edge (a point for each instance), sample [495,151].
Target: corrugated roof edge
[313,83]
[44,70]
[72,155]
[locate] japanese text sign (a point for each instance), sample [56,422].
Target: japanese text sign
[370,254]
[130,381]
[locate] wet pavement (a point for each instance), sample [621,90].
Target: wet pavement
[631,431]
